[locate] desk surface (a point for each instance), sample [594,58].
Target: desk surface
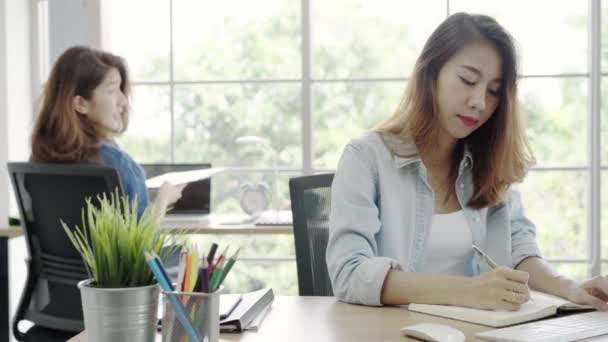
[224,224]
[325,319]
[214,224]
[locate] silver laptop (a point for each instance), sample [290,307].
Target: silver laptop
[568,328]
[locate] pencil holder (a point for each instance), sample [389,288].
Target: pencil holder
[202,311]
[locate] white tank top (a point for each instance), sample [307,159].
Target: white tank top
[449,247]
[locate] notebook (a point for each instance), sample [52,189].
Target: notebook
[541,305]
[251,306]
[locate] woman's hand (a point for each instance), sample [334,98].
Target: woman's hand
[168,194]
[500,289]
[592,292]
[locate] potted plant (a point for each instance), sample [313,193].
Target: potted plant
[120,299]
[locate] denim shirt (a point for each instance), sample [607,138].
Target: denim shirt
[131,174]
[381,210]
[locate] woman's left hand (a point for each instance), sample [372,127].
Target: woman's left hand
[592,292]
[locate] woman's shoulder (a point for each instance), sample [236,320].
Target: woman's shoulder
[108,149]
[382,144]
[369,140]
[113,155]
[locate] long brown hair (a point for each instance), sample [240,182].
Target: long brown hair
[500,149]
[60,133]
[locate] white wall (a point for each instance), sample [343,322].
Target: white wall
[3,115]
[71,23]
[19,77]
[16,114]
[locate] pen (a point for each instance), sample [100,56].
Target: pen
[211,254]
[485,258]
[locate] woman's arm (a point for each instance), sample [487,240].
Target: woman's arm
[523,231]
[492,290]
[542,276]
[356,270]
[546,279]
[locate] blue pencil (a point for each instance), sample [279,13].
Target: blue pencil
[161,267]
[177,306]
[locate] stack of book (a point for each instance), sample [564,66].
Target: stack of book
[249,313]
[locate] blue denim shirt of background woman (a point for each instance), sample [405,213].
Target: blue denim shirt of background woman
[381,210]
[131,174]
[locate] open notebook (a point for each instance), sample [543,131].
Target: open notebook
[541,305]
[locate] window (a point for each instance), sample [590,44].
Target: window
[310,75]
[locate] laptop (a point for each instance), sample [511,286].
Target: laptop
[568,328]
[195,203]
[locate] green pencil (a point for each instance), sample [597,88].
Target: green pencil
[217,272]
[226,269]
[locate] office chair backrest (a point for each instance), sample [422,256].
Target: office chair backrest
[48,194]
[310,204]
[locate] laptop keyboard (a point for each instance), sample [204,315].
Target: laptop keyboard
[568,328]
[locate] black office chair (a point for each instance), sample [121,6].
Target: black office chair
[310,203]
[46,194]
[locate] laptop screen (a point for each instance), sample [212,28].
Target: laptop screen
[196,196]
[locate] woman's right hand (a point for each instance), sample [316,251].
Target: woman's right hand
[168,194]
[500,289]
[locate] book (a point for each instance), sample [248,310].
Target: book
[182,177]
[251,306]
[228,302]
[540,305]
[257,322]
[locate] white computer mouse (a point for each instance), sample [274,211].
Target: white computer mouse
[433,332]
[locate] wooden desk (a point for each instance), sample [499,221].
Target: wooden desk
[308,319]
[5,235]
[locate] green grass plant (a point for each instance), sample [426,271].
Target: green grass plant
[112,239]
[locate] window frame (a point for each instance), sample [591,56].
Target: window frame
[307,81]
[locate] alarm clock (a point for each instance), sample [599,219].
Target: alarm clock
[255,197]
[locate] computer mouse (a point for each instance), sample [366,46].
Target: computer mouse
[433,332]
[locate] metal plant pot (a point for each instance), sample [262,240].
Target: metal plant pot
[119,314]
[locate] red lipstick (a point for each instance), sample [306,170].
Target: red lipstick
[468,120]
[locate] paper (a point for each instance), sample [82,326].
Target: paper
[183,177]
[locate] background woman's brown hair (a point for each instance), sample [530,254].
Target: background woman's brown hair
[61,134]
[500,149]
